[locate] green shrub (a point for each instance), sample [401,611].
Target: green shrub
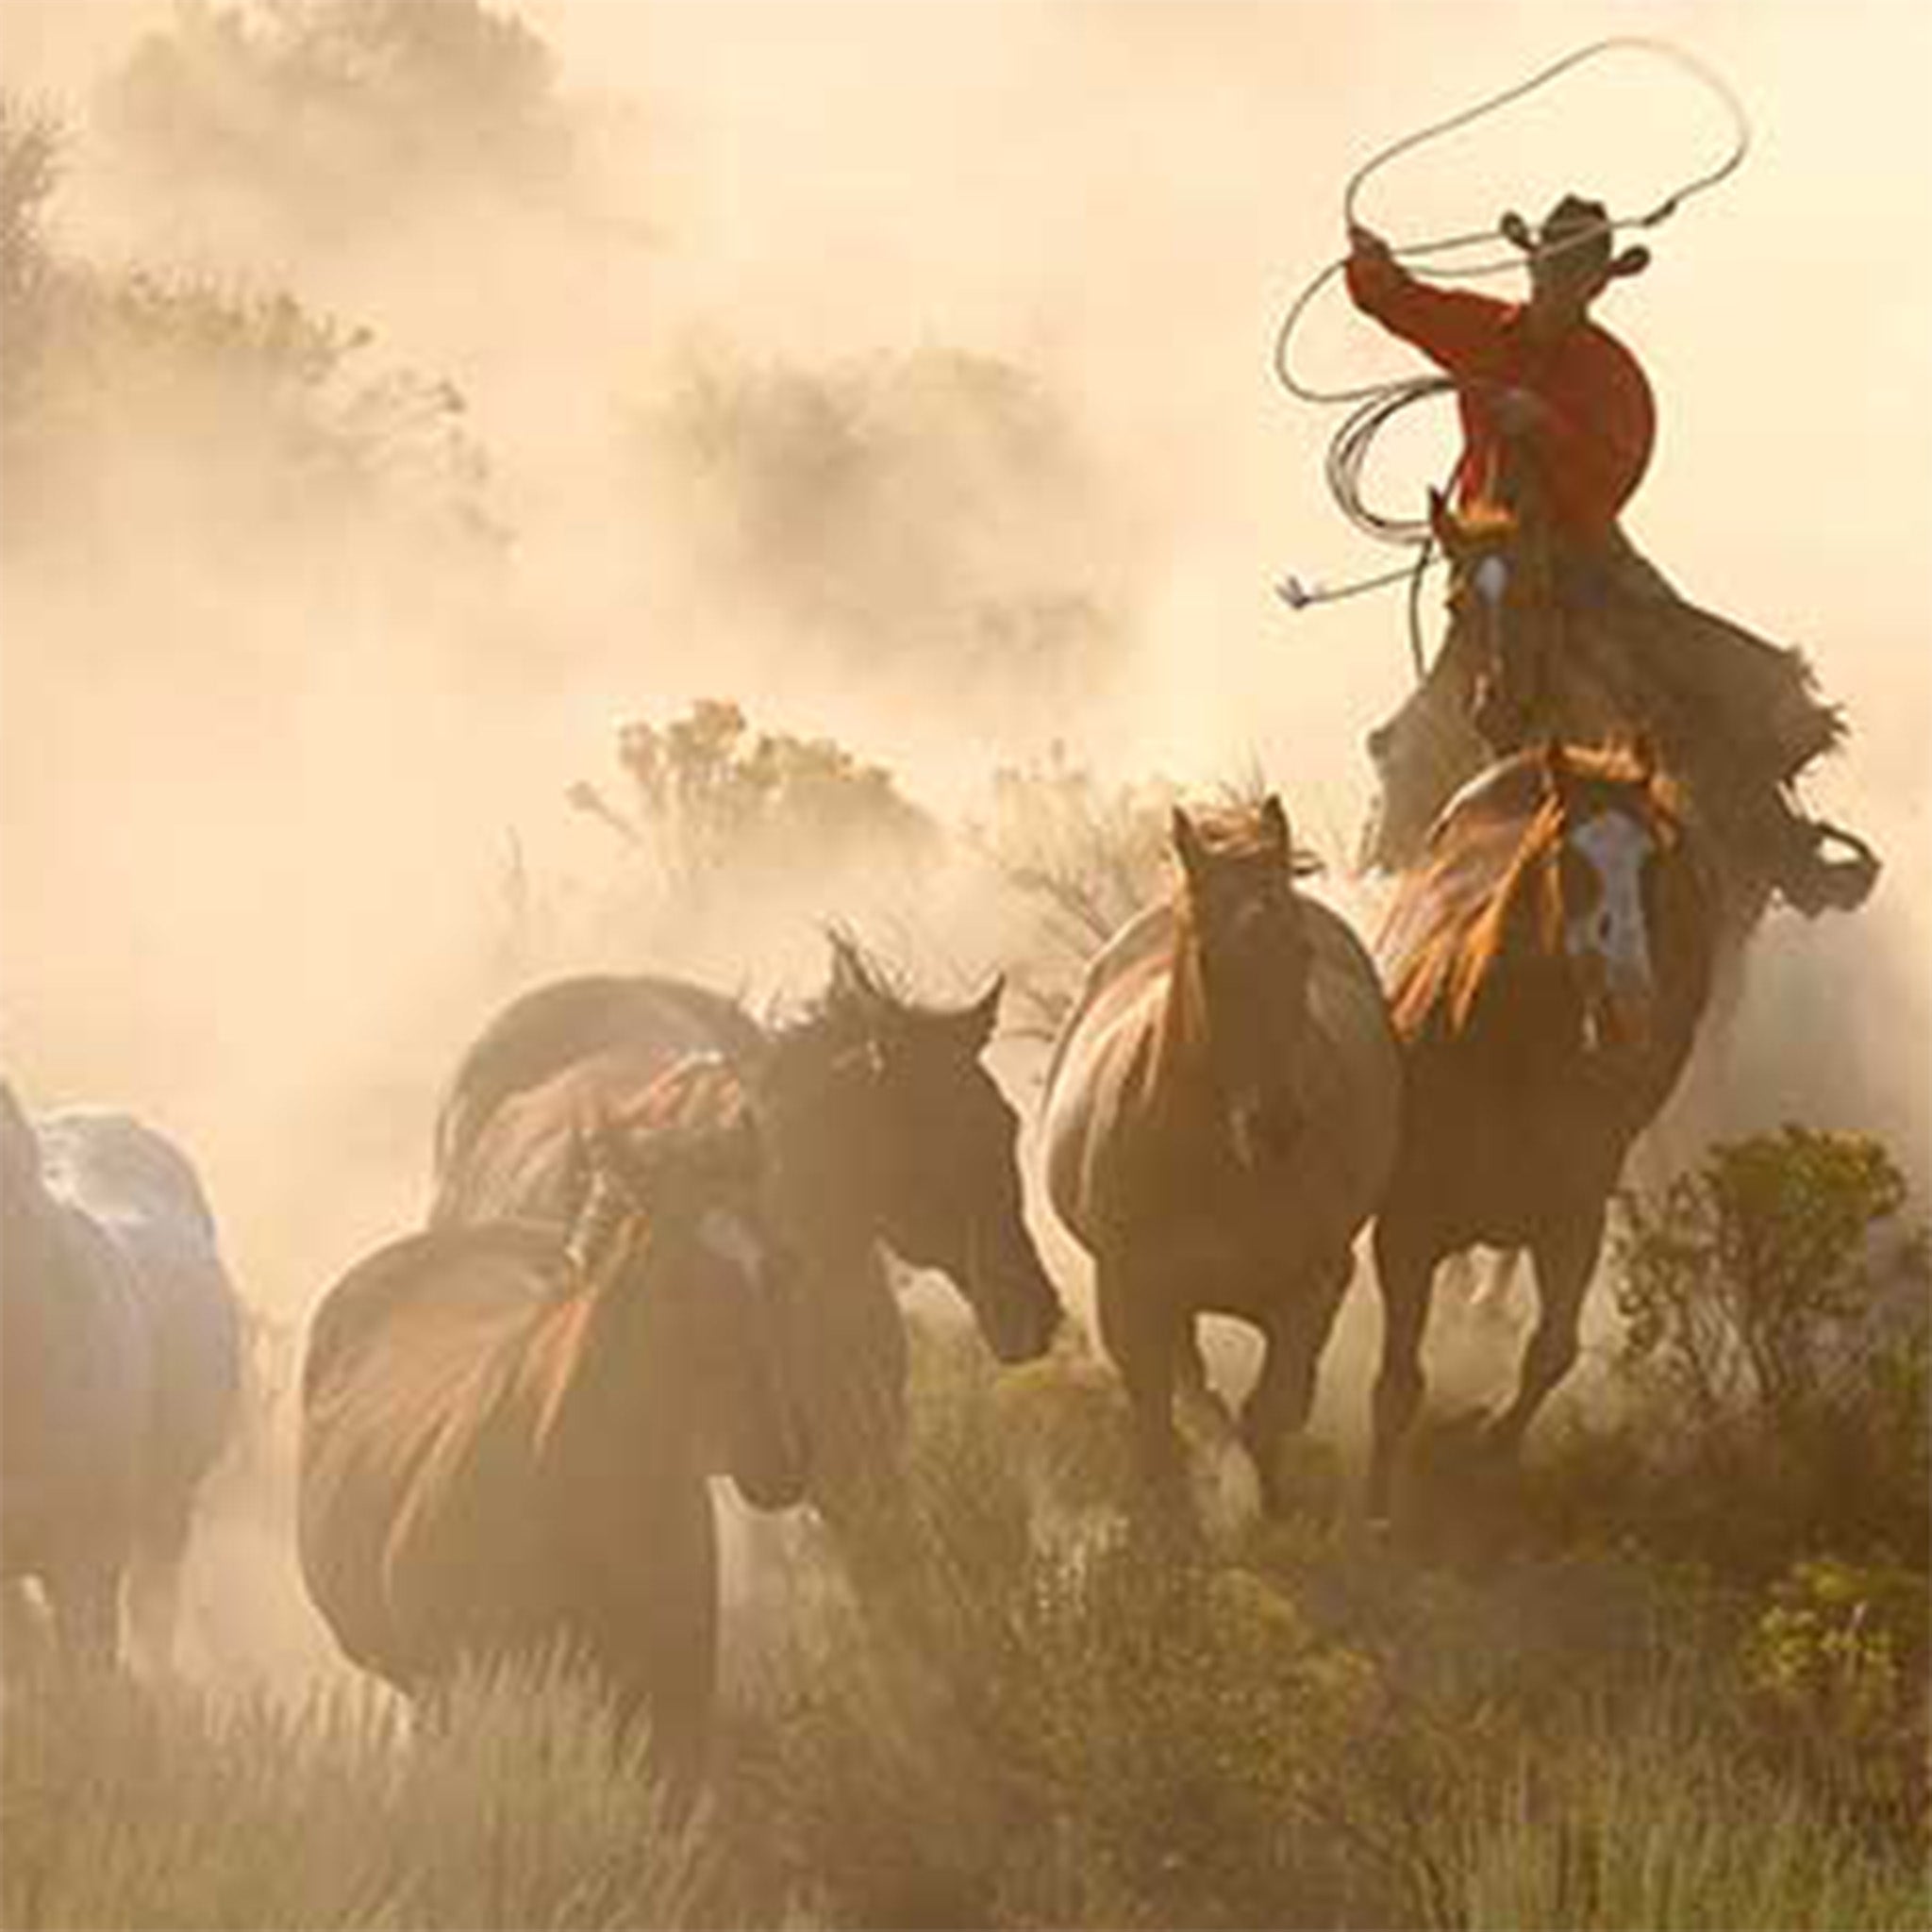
[1837,1664]
[1101,1728]
[1773,1371]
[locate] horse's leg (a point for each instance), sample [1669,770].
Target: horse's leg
[1296,1334]
[1142,1332]
[1194,1393]
[85,1598]
[154,1582]
[1565,1260]
[1405,1271]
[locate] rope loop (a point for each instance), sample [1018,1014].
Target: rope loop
[1372,405]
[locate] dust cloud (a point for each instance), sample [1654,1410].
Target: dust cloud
[275,774]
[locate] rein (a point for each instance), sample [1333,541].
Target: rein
[1374,405]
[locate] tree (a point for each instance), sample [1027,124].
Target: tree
[336,110]
[220,401]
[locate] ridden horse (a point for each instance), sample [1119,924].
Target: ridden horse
[883,1131]
[119,1369]
[509,1430]
[1594,647]
[1220,1118]
[1548,963]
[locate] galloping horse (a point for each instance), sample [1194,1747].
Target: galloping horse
[509,1430]
[1221,1120]
[1548,963]
[1532,651]
[881,1127]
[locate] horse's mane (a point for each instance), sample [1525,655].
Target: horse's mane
[1486,872]
[1232,827]
[1484,521]
[862,996]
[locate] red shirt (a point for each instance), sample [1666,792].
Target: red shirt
[1593,445]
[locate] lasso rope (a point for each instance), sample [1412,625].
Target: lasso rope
[1376,403]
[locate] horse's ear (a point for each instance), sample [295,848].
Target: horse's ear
[1187,846]
[1556,771]
[1274,823]
[1643,755]
[1441,523]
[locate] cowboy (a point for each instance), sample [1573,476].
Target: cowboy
[1558,423]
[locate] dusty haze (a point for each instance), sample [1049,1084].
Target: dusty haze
[257,800]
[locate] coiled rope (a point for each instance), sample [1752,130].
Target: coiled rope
[1375,403]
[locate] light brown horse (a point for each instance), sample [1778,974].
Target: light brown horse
[1548,962]
[509,1430]
[1221,1120]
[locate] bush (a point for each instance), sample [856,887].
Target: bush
[711,813]
[134,397]
[935,514]
[1745,1287]
[1768,1392]
[1094,1728]
[335,111]
[1837,1664]
[1774,1360]
[1084,856]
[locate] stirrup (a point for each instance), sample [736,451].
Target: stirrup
[1833,885]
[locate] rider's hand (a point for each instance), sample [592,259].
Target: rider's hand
[1519,413]
[1368,248]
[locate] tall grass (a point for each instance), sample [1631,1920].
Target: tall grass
[1641,1817]
[1038,1710]
[129,1806]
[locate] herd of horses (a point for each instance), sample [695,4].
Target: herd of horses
[657,1248]
[662,1237]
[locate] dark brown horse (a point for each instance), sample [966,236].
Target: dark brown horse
[1591,647]
[1221,1120]
[509,1430]
[883,1130]
[1548,962]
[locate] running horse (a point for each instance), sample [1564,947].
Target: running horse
[1221,1120]
[1544,640]
[1548,962]
[509,1431]
[884,1131]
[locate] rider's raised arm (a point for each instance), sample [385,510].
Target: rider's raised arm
[1455,329]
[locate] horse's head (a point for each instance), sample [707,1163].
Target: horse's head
[1608,836]
[1255,957]
[672,1218]
[934,1144]
[1500,601]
